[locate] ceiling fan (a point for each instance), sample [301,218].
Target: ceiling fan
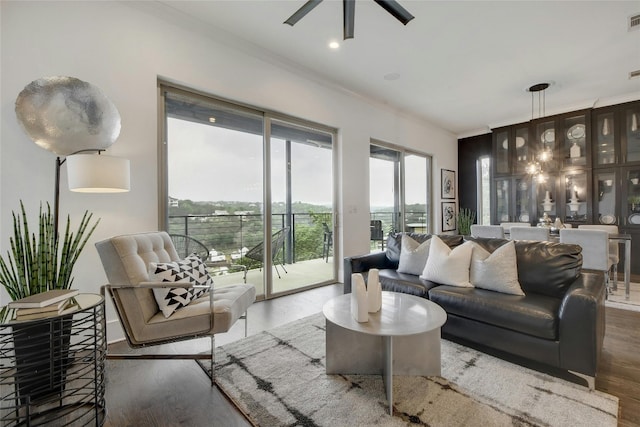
[349,7]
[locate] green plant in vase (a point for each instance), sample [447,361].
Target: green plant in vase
[466,217]
[634,202]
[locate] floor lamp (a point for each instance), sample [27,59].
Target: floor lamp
[74,119]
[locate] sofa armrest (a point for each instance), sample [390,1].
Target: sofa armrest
[362,264]
[582,323]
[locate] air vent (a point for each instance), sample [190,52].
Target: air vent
[634,22]
[633,74]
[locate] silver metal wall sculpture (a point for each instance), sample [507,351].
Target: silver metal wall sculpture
[66,115]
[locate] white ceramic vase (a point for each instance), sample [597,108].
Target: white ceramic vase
[359,303]
[374,291]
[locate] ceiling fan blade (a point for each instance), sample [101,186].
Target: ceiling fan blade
[300,13]
[394,8]
[349,12]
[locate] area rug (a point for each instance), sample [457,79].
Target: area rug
[277,378]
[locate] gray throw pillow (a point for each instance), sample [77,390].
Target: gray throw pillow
[413,255]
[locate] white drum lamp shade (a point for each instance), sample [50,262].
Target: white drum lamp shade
[96,173]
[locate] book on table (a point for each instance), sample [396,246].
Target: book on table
[67,306]
[44,299]
[51,308]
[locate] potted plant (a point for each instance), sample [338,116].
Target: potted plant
[466,218]
[38,263]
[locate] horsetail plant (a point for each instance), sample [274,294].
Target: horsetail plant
[466,217]
[36,265]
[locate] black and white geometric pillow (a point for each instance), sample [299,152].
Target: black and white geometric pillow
[191,269]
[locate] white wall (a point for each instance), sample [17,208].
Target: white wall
[123,50]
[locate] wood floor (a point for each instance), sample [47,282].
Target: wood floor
[178,393]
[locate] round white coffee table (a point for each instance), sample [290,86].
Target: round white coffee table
[403,338]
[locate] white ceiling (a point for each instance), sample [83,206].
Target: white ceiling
[463,65]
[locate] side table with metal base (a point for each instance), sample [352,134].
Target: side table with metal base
[52,368]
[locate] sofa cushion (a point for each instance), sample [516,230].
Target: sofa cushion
[497,271]
[531,314]
[413,255]
[394,243]
[448,266]
[545,268]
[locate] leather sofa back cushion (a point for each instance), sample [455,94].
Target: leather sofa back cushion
[394,243]
[545,268]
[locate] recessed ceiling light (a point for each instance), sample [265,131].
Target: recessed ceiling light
[392,76]
[334,45]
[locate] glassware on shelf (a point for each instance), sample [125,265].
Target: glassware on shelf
[574,203]
[574,151]
[547,203]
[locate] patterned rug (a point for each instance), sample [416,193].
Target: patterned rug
[277,378]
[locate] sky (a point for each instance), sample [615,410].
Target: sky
[208,163]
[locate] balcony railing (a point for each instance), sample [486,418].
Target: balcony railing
[232,235]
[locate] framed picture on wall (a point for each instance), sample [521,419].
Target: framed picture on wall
[448,180]
[448,216]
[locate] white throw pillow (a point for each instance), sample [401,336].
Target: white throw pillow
[191,269]
[413,255]
[448,266]
[497,271]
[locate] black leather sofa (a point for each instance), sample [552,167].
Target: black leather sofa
[559,322]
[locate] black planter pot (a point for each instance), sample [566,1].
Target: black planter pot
[42,357]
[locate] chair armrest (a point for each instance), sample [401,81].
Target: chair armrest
[582,323]
[363,263]
[152,285]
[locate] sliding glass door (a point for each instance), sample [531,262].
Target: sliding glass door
[256,190]
[301,206]
[399,192]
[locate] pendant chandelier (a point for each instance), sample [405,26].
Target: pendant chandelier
[535,168]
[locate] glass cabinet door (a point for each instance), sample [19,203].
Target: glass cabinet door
[503,197]
[523,151]
[523,199]
[604,205]
[604,137]
[502,152]
[631,198]
[631,133]
[546,198]
[575,135]
[576,196]
[544,137]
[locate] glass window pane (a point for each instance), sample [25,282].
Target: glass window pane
[302,204]
[415,193]
[214,181]
[484,192]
